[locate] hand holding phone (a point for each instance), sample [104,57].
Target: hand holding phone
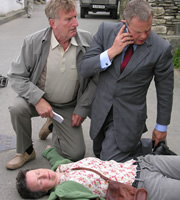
[122,39]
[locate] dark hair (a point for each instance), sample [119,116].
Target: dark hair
[22,187]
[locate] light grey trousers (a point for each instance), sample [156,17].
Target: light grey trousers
[160,176]
[68,140]
[28,4]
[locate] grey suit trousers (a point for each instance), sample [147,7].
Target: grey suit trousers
[160,176]
[68,140]
[106,148]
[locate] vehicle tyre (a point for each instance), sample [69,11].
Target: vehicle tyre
[82,12]
[114,14]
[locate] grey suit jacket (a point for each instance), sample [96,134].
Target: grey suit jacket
[127,92]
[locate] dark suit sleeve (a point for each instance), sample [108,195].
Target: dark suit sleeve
[164,82]
[83,105]
[90,64]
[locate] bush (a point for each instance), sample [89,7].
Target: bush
[176,58]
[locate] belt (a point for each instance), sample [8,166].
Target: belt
[135,183]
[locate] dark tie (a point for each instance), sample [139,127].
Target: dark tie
[127,57]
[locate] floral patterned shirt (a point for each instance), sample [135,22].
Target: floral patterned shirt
[122,172]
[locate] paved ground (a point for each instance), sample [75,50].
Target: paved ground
[11,37]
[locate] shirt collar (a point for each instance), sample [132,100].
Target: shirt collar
[134,47]
[73,41]
[55,43]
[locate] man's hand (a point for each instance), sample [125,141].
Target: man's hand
[121,41]
[77,120]
[44,109]
[158,136]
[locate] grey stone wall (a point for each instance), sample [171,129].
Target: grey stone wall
[166,18]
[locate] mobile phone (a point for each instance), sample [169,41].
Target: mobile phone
[126,28]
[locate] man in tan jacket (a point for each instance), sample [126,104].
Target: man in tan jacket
[46,78]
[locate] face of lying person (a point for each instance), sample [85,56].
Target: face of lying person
[41,179]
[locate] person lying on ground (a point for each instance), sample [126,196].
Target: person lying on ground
[159,175]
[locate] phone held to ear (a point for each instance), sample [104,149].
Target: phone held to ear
[126,28]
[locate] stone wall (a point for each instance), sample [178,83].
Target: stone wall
[166,16]
[166,20]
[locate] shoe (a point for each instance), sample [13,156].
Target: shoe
[20,159]
[19,1]
[28,16]
[37,3]
[163,149]
[42,2]
[45,130]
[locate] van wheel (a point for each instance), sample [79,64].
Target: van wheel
[114,14]
[82,13]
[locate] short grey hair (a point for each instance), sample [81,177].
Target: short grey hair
[137,8]
[53,7]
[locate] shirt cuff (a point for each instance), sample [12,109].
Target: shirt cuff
[161,128]
[104,60]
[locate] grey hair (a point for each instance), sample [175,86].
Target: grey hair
[137,8]
[53,7]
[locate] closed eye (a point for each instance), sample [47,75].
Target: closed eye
[40,183]
[37,172]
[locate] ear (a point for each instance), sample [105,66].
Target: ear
[52,23]
[123,21]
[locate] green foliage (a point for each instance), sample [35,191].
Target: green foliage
[176,58]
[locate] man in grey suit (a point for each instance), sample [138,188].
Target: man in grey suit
[119,110]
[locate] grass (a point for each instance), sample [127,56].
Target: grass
[176,58]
